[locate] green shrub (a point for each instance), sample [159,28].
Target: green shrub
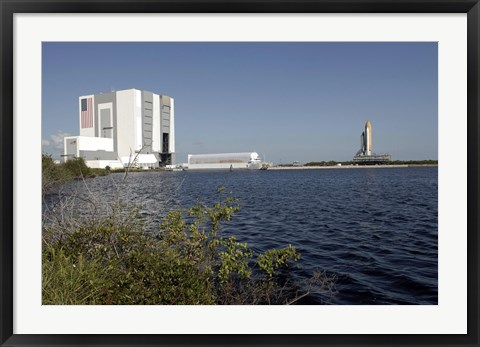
[56,175]
[186,261]
[70,280]
[99,172]
[53,175]
[78,167]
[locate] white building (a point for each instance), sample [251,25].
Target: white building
[248,160]
[124,127]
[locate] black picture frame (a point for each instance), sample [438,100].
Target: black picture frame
[9,7]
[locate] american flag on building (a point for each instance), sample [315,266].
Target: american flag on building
[87,113]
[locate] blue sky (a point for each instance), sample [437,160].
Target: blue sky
[305,101]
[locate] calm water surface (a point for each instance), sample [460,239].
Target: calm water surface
[375,229]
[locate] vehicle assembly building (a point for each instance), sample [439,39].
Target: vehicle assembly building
[365,155]
[248,160]
[126,127]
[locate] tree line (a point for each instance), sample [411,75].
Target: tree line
[393,162]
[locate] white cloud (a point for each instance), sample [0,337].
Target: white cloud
[57,139]
[53,144]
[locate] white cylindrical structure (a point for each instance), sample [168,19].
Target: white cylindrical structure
[245,160]
[368,138]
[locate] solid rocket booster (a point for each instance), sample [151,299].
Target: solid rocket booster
[367,137]
[362,142]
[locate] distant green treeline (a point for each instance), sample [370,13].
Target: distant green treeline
[393,162]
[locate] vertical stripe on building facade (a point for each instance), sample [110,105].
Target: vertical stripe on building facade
[87,113]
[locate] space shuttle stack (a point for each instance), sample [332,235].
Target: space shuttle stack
[366,139]
[365,155]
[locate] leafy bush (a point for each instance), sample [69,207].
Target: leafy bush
[53,175]
[78,167]
[70,280]
[186,261]
[56,175]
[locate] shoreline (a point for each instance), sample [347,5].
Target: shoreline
[349,167]
[288,168]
